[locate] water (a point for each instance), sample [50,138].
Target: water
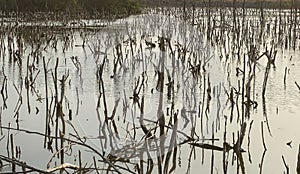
[202,69]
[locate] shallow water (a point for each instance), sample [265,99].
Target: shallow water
[200,117]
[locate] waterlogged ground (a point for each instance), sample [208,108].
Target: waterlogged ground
[167,91]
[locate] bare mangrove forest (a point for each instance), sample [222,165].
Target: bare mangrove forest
[66,9]
[123,87]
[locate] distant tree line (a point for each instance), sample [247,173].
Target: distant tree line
[287,4]
[115,6]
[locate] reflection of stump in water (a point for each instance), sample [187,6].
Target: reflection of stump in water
[150,44]
[170,88]
[160,82]
[297,85]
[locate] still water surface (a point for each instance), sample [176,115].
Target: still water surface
[201,100]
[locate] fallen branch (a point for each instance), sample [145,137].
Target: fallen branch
[21,164]
[63,166]
[207,146]
[75,142]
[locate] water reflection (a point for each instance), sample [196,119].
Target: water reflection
[152,94]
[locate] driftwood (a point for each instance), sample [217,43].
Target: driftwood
[63,166]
